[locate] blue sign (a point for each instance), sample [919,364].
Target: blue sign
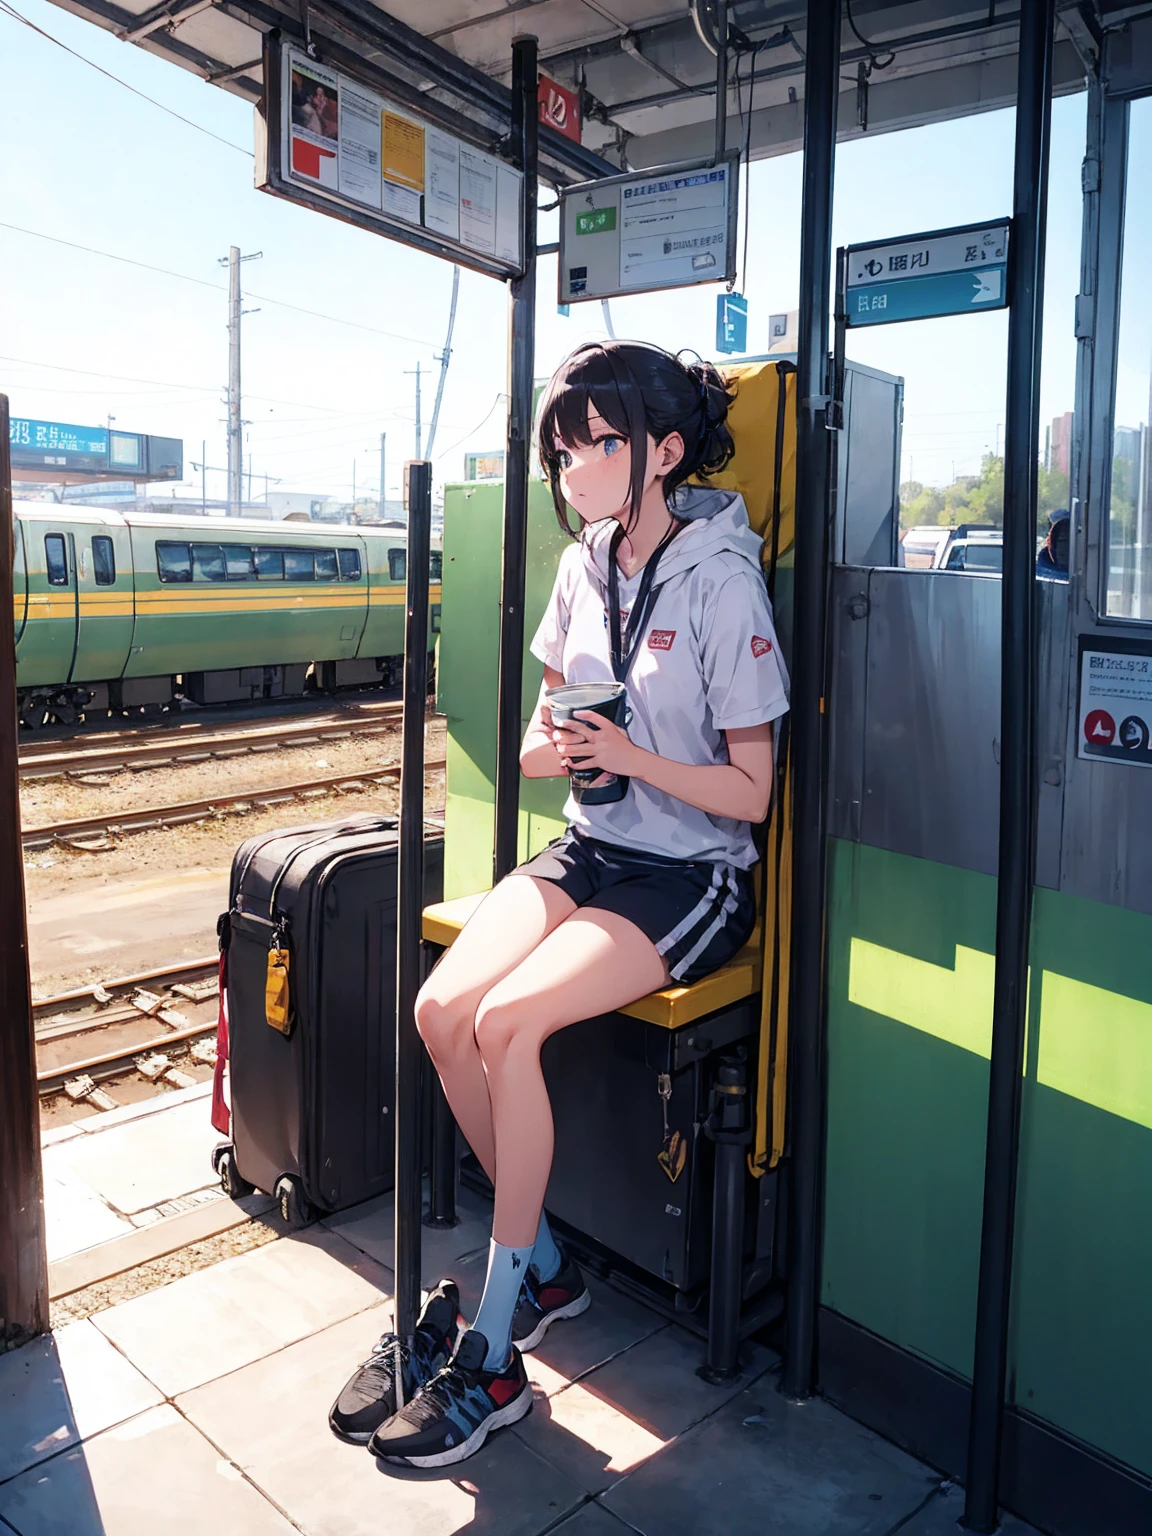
[731,322]
[56,444]
[920,298]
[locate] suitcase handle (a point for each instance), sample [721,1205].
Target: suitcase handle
[360,824]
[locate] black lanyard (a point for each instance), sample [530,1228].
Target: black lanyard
[623,648]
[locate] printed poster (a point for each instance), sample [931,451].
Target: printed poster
[1116,704]
[477,200]
[359,170]
[314,135]
[442,183]
[402,165]
[508,184]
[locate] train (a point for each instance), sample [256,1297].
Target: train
[131,613]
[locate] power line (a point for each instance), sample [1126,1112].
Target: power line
[16,16]
[184,277]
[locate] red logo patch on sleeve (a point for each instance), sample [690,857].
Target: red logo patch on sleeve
[760,646]
[661,639]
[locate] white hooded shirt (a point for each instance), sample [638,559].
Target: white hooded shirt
[707,662]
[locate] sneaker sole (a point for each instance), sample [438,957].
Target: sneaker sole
[573,1309]
[511,1413]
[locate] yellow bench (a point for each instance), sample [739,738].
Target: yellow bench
[671,1009]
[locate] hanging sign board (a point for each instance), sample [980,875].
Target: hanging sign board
[667,228]
[731,322]
[1116,701]
[335,144]
[560,108]
[950,272]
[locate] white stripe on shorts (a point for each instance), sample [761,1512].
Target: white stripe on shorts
[729,905]
[697,914]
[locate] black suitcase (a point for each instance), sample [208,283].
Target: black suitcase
[311,1106]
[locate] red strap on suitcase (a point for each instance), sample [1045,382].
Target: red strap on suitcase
[221,1117]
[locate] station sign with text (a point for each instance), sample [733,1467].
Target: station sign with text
[919,277]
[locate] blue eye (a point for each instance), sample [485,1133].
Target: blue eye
[612,445]
[565,458]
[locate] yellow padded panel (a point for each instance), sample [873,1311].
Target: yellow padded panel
[671,1009]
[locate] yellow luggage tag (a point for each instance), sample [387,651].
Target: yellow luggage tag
[277,995]
[674,1153]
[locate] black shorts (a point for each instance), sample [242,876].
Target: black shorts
[698,915]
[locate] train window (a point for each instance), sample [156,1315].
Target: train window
[269,564]
[325,565]
[1129,563]
[436,568]
[398,564]
[56,557]
[103,560]
[173,561]
[298,565]
[349,564]
[207,562]
[238,562]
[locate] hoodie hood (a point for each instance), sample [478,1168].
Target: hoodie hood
[716,523]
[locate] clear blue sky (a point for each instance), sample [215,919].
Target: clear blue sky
[90,163]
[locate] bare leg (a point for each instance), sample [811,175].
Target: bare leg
[592,963]
[507,926]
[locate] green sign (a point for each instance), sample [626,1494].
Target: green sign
[597,222]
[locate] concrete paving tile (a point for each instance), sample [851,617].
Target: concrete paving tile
[370,1227]
[940,1515]
[623,1414]
[145,1161]
[763,1465]
[592,1520]
[242,1309]
[94,1125]
[328,1488]
[62,1388]
[59,1133]
[154,1473]
[75,1216]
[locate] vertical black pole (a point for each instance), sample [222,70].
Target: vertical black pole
[23,1263]
[409,900]
[806,1031]
[1017,854]
[521,365]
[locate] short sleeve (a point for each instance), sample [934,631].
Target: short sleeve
[548,641]
[745,681]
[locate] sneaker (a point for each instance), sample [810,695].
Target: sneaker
[393,1374]
[449,1419]
[544,1302]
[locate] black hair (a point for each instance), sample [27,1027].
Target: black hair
[640,391]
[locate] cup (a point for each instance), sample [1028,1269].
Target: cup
[590,786]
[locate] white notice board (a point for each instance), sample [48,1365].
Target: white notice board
[334,143]
[671,227]
[1115,715]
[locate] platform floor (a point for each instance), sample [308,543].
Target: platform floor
[199,1409]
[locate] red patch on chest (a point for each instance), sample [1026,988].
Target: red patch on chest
[760,646]
[661,639]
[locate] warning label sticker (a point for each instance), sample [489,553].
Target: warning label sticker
[1116,706]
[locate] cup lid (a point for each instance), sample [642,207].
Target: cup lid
[583,695]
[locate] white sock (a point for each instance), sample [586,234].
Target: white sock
[506,1270]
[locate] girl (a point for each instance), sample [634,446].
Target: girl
[662,591]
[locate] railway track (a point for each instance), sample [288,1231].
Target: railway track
[117,751]
[80,831]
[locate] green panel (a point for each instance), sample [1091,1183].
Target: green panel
[469,655]
[910,1003]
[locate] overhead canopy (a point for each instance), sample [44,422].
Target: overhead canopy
[647,67]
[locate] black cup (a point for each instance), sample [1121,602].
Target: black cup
[590,786]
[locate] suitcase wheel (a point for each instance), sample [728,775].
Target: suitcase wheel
[295,1208]
[224,1162]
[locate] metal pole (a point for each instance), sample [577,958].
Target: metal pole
[419,455]
[806,1031]
[234,428]
[1018,767]
[383,440]
[521,363]
[23,1260]
[443,359]
[409,899]
[203,478]
[722,77]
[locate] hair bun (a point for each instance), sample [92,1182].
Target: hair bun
[715,398]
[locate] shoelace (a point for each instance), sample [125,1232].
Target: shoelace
[439,1393]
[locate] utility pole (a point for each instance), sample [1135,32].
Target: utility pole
[235,425]
[442,359]
[383,440]
[353,485]
[203,478]
[416,371]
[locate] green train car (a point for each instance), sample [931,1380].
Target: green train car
[122,612]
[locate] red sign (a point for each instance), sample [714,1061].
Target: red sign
[661,639]
[559,108]
[760,646]
[1099,728]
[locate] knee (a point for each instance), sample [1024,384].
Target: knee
[444,1023]
[503,1028]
